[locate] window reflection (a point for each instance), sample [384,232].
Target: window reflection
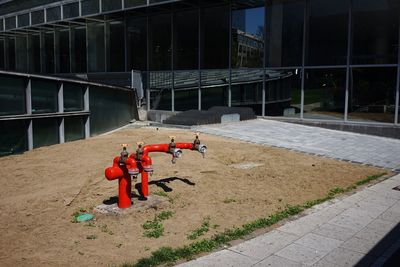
[375,31]
[324,94]
[283,93]
[284,33]
[372,96]
[327,37]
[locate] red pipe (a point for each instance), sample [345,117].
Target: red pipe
[123,172]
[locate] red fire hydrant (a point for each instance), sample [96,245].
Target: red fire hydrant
[127,166]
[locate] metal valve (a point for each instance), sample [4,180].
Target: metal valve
[124,154]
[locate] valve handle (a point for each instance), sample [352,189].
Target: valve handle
[140,143]
[124,145]
[172,137]
[197,134]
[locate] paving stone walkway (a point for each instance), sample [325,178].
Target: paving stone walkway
[359,148]
[362,229]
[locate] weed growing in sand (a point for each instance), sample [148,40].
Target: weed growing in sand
[164,215]
[168,255]
[154,228]
[91,237]
[205,226]
[229,200]
[104,229]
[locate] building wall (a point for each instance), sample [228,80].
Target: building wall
[311,59]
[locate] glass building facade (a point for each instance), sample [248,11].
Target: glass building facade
[335,60]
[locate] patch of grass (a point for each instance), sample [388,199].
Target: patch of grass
[168,255]
[154,228]
[205,226]
[164,215]
[370,178]
[91,237]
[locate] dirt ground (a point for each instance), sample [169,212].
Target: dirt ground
[37,186]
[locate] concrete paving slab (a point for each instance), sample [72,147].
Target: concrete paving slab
[391,216]
[265,245]
[360,245]
[301,254]
[318,242]
[275,261]
[351,221]
[340,257]
[221,258]
[335,231]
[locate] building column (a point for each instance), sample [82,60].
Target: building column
[61,133]
[86,106]
[28,106]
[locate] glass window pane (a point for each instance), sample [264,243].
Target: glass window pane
[109,5]
[133,3]
[48,66]
[64,51]
[372,96]
[115,47]
[215,77]
[96,48]
[44,96]
[34,53]
[246,88]
[79,45]
[327,38]
[1,25]
[137,40]
[71,10]
[37,17]
[90,7]
[324,94]
[375,31]
[186,79]
[12,95]
[10,23]
[22,56]
[161,100]
[283,93]
[214,96]
[160,42]
[10,53]
[1,54]
[160,90]
[186,99]
[285,33]
[74,128]
[45,132]
[248,37]
[23,20]
[53,13]
[186,40]
[13,137]
[215,38]
[109,109]
[73,97]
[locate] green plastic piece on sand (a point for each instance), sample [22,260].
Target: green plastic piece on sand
[84,217]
